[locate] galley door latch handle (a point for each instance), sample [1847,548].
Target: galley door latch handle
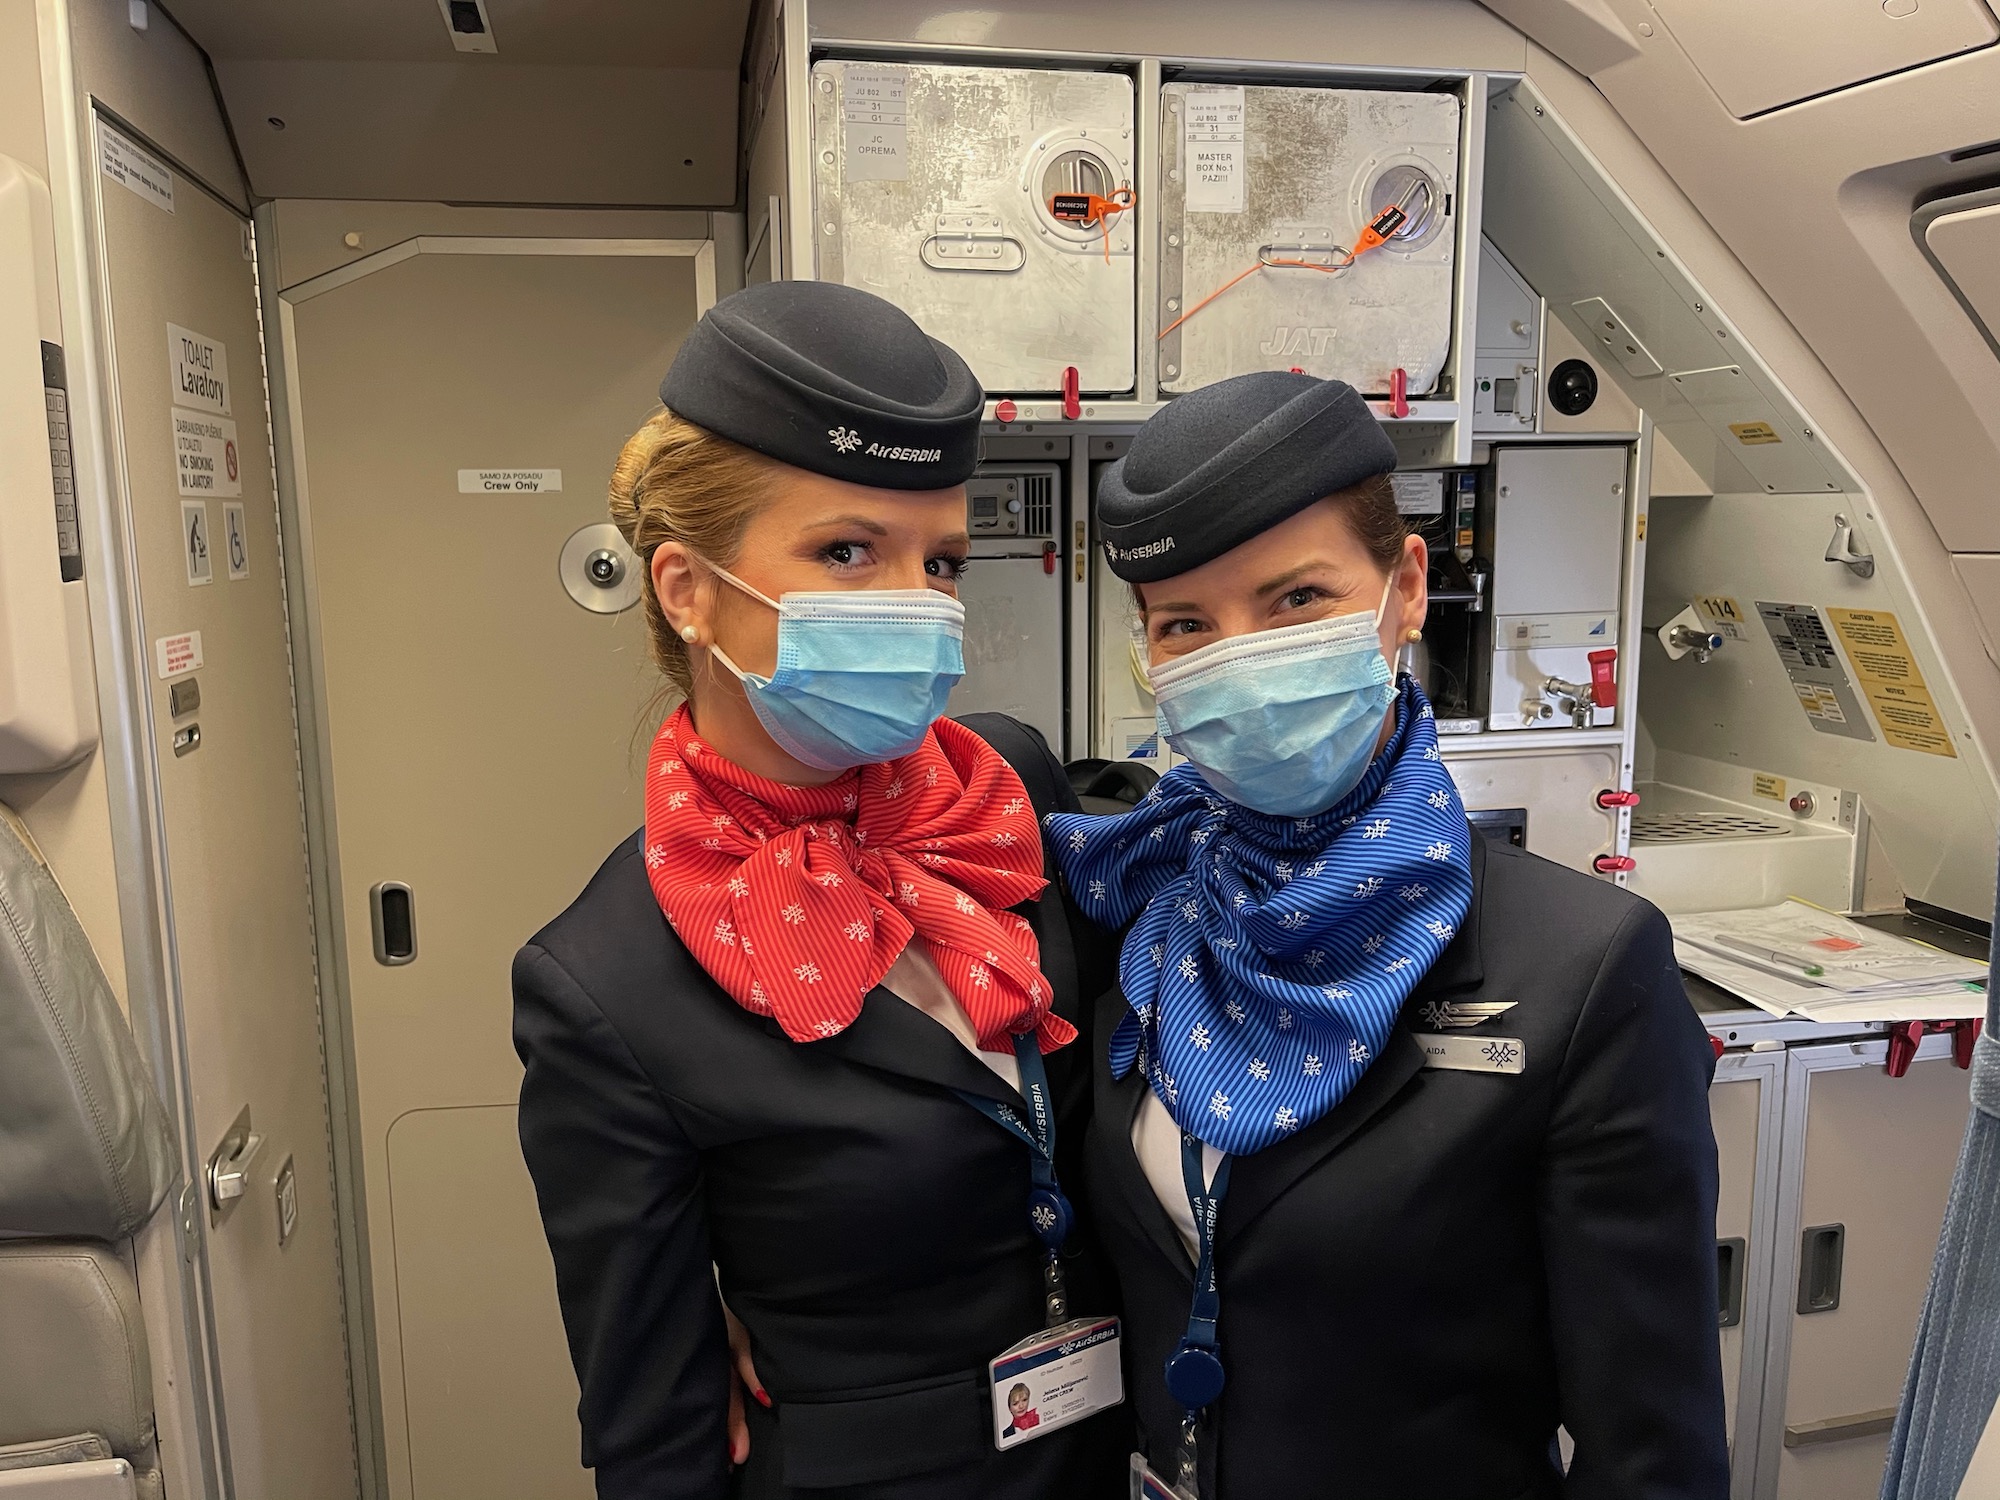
[1846,548]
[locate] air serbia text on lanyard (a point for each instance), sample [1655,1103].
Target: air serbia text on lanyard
[1194,1369]
[1071,1368]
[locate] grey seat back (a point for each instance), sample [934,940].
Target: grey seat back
[84,1144]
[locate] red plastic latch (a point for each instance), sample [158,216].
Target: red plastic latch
[1072,394]
[1399,392]
[1614,864]
[1903,1039]
[1049,557]
[1715,1046]
[1603,682]
[1005,411]
[1611,798]
[1298,369]
[1963,1034]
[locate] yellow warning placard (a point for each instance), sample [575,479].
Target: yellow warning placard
[1752,433]
[1768,786]
[1723,615]
[1891,680]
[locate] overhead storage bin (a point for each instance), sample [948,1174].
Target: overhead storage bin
[992,205]
[1277,186]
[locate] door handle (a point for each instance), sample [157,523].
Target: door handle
[392,913]
[1729,1281]
[228,1171]
[1821,1250]
[1837,1429]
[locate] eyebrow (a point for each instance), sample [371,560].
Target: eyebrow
[859,523]
[1263,590]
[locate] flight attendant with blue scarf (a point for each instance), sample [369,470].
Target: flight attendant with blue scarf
[1401,1143]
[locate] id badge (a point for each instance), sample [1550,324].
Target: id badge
[1146,1485]
[1059,1376]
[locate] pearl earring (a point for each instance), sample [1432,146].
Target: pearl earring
[690,634]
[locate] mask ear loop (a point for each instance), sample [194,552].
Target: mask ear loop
[715,650]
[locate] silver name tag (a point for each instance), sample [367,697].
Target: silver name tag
[1474,1054]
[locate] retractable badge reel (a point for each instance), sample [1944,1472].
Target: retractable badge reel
[1070,1369]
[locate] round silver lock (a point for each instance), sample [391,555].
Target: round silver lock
[599,571]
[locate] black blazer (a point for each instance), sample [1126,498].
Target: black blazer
[1417,1288]
[868,1226]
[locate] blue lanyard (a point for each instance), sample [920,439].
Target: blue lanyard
[1049,1212]
[1194,1369]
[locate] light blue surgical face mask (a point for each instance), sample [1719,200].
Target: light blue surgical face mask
[861,674]
[1283,721]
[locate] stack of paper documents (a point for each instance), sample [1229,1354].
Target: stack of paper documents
[1793,959]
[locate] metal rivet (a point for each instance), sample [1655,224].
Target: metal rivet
[1645,28]
[827,227]
[1697,307]
[1538,109]
[1173,239]
[1173,370]
[1173,174]
[1809,432]
[827,157]
[826,85]
[1173,304]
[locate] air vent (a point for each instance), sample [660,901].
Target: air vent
[1038,505]
[1694,827]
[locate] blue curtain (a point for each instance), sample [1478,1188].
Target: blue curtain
[1955,1371]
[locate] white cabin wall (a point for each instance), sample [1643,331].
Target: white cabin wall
[68,811]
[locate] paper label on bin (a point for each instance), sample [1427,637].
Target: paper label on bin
[1212,149]
[874,130]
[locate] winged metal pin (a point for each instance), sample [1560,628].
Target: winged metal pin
[1457,1015]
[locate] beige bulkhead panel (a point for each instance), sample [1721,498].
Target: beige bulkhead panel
[455,404]
[1776,52]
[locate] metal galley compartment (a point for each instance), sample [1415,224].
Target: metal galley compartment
[992,204]
[1347,195]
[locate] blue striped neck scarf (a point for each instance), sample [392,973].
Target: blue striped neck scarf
[1267,957]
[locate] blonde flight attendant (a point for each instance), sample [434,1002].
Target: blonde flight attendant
[809,1040]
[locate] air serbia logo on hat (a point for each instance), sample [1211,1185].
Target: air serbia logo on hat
[845,440]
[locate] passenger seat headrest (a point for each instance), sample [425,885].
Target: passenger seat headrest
[85,1149]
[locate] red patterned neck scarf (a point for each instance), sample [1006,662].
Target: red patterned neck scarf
[797,899]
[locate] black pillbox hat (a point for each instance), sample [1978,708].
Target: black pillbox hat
[1219,465]
[832,379]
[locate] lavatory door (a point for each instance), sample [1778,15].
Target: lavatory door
[1868,1165]
[962,195]
[193,478]
[484,704]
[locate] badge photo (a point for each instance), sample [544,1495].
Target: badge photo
[1058,1377]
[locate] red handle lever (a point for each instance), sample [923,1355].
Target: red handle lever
[1005,411]
[1614,864]
[1903,1039]
[1715,1045]
[1963,1034]
[1399,392]
[1072,394]
[1603,685]
[1048,557]
[1610,798]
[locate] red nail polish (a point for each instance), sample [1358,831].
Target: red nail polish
[763,1396]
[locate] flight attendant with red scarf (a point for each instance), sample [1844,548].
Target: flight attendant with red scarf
[790,1041]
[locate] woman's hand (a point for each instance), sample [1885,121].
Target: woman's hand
[745,1373]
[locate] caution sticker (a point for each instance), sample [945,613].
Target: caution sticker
[1750,434]
[1813,665]
[1892,681]
[1768,786]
